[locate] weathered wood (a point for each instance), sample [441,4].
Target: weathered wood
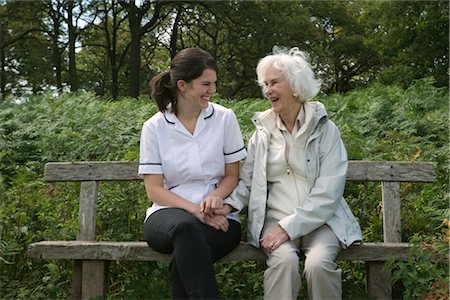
[357,171]
[87,213]
[140,251]
[94,281]
[379,284]
[77,279]
[391,212]
[390,171]
[379,280]
[86,171]
[88,210]
[91,257]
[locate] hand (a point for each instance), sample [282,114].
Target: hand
[210,204]
[273,239]
[218,222]
[224,211]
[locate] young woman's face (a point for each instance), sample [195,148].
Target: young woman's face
[278,90]
[200,90]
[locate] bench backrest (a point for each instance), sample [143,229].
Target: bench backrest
[390,174]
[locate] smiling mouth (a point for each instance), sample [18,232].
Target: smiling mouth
[274,100]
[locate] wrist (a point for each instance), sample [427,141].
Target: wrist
[229,208]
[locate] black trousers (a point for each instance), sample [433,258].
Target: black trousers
[194,247]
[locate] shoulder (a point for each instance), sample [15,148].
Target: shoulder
[221,112]
[220,109]
[155,121]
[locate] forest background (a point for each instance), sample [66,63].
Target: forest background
[74,86]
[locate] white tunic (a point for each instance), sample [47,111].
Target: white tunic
[192,165]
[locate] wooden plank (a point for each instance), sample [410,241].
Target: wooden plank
[379,283]
[87,211]
[85,273]
[391,212]
[121,170]
[86,171]
[94,282]
[76,279]
[140,251]
[390,171]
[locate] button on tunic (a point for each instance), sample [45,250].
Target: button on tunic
[192,164]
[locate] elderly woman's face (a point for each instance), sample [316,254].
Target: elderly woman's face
[278,90]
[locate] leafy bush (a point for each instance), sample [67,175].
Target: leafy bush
[376,123]
[425,274]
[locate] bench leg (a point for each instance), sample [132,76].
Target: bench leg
[379,281]
[94,279]
[76,279]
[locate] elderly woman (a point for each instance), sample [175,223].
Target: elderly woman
[293,182]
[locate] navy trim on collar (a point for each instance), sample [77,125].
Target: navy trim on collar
[212,106]
[173,123]
[204,118]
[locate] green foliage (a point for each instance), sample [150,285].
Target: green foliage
[376,123]
[351,42]
[425,274]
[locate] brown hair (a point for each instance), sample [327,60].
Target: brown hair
[187,65]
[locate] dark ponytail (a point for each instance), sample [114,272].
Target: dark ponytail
[187,65]
[163,91]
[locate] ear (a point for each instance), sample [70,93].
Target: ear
[181,85]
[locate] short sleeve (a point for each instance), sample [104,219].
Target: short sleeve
[234,149]
[149,153]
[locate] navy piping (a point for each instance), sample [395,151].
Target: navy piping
[210,114]
[234,151]
[151,164]
[172,187]
[173,123]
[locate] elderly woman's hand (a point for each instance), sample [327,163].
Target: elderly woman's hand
[273,239]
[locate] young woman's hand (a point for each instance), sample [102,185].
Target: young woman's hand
[218,222]
[210,204]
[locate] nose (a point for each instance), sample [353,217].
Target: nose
[212,88]
[267,90]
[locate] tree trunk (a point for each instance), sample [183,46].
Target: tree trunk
[2,64]
[55,15]
[73,77]
[174,36]
[134,18]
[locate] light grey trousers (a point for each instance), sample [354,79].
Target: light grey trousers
[282,279]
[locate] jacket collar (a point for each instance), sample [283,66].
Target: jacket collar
[314,112]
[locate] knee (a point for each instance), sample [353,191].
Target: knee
[185,227]
[316,265]
[286,261]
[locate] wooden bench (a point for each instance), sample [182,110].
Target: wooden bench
[91,257]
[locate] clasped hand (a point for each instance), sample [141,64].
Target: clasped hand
[213,213]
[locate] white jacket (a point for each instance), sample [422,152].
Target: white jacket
[327,163]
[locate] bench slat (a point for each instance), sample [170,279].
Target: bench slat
[91,171]
[140,251]
[121,170]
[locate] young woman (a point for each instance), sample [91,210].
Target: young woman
[189,158]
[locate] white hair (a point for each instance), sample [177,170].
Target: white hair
[294,66]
